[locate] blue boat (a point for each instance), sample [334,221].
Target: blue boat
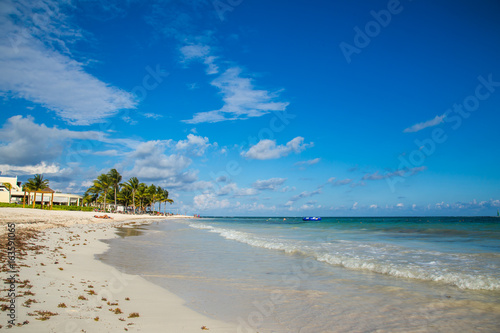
[311,218]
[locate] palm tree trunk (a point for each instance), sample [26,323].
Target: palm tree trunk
[115,198]
[34,200]
[41,202]
[133,200]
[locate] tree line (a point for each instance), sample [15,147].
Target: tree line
[109,187]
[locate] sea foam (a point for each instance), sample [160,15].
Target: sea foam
[388,259]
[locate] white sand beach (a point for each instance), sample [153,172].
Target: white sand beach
[62,287]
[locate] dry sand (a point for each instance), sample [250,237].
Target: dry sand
[59,274]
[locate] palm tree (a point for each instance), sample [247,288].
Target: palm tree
[8,186]
[101,185]
[125,196]
[115,178]
[35,184]
[152,193]
[90,196]
[165,199]
[142,195]
[133,185]
[159,196]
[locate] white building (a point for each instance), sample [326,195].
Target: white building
[17,194]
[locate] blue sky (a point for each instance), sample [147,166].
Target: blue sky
[238,107]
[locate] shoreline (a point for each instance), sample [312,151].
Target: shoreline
[58,272]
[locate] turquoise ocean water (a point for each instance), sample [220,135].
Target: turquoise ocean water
[417,274]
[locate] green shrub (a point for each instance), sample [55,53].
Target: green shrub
[55,207]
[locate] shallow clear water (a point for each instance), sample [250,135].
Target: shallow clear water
[337,275]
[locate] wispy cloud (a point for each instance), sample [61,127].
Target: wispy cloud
[269,184]
[235,191]
[288,189]
[241,99]
[491,204]
[110,152]
[201,53]
[267,149]
[36,65]
[153,115]
[429,123]
[129,120]
[397,173]
[191,25]
[304,194]
[361,183]
[308,162]
[339,182]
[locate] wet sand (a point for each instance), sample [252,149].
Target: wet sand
[61,286]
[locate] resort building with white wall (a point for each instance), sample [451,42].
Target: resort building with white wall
[17,194]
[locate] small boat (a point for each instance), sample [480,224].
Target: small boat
[311,218]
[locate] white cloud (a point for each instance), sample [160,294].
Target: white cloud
[270,184]
[308,162]
[42,168]
[373,206]
[400,205]
[87,183]
[354,206]
[241,99]
[233,189]
[151,163]
[153,115]
[22,142]
[129,120]
[209,201]
[35,65]
[306,207]
[353,185]
[339,182]
[288,189]
[254,206]
[202,53]
[227,189]
[267,149]
[429,123]
[222,179]
[304,194]
[194,52]
[474,205]
[397,173]
[194,144]
[242,192]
